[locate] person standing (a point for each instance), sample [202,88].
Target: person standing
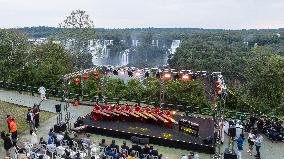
[251,138]
[7,142]
[8,119]
[30,120]
[42,91]
[36,116]
[240,145]
[13,130]
[258,142]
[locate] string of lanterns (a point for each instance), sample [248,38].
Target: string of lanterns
[166,74]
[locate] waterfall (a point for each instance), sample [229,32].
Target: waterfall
[124,57]
[174,46]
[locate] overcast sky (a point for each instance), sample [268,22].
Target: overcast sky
[228,14]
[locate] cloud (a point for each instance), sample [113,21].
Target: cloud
[232,14]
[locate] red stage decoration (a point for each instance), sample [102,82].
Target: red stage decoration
[219,87]
[96,74]
[76,102]
[77,81]
[138,114]
[86,77]
[108,108]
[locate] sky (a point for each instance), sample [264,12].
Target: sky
[221,14]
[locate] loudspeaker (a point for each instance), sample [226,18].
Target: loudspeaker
[229,154]
[58,108]
[208,140]
[232,131]
[60,127]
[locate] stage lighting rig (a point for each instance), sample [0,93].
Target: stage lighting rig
[130,73]
[167,75]
[185,77]
[115,72]
[147,74]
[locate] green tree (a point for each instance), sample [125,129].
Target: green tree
[134,90]
[77,30]
[46,65]
[265,83]
[13,52]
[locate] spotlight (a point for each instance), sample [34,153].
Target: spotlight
[167,75]
[137,74]
[121,72]
[185,77]
[174,112]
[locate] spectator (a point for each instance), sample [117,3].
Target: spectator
[34,139]
[87,140]
[251,138]
[258,142]
[30,120]
[146,149]
[124,146]
[36,116]
[41,141]
[103,143]
[8,119]
[7,142]
[50,140]
[186,156]
[68,139]
[22,154]
[131,156]
[13,130]
[240,145]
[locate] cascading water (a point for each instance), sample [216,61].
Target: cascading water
[101,52]
[174,46]
[124,57]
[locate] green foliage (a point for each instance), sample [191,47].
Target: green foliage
[185,92]
[265,82]
[114,88]
[46,64]
[13,52]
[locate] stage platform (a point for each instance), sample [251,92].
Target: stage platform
[156,133]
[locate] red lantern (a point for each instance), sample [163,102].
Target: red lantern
[86,77]
[96,74]
[77,81]
[219,87]
[217,82]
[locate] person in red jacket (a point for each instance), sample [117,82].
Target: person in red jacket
[9,119]
[13,130]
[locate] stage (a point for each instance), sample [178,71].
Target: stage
[157,134]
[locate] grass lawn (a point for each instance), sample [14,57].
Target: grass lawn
[19,113]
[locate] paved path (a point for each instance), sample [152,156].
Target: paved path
[269,150]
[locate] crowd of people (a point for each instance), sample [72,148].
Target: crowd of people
[270,127]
